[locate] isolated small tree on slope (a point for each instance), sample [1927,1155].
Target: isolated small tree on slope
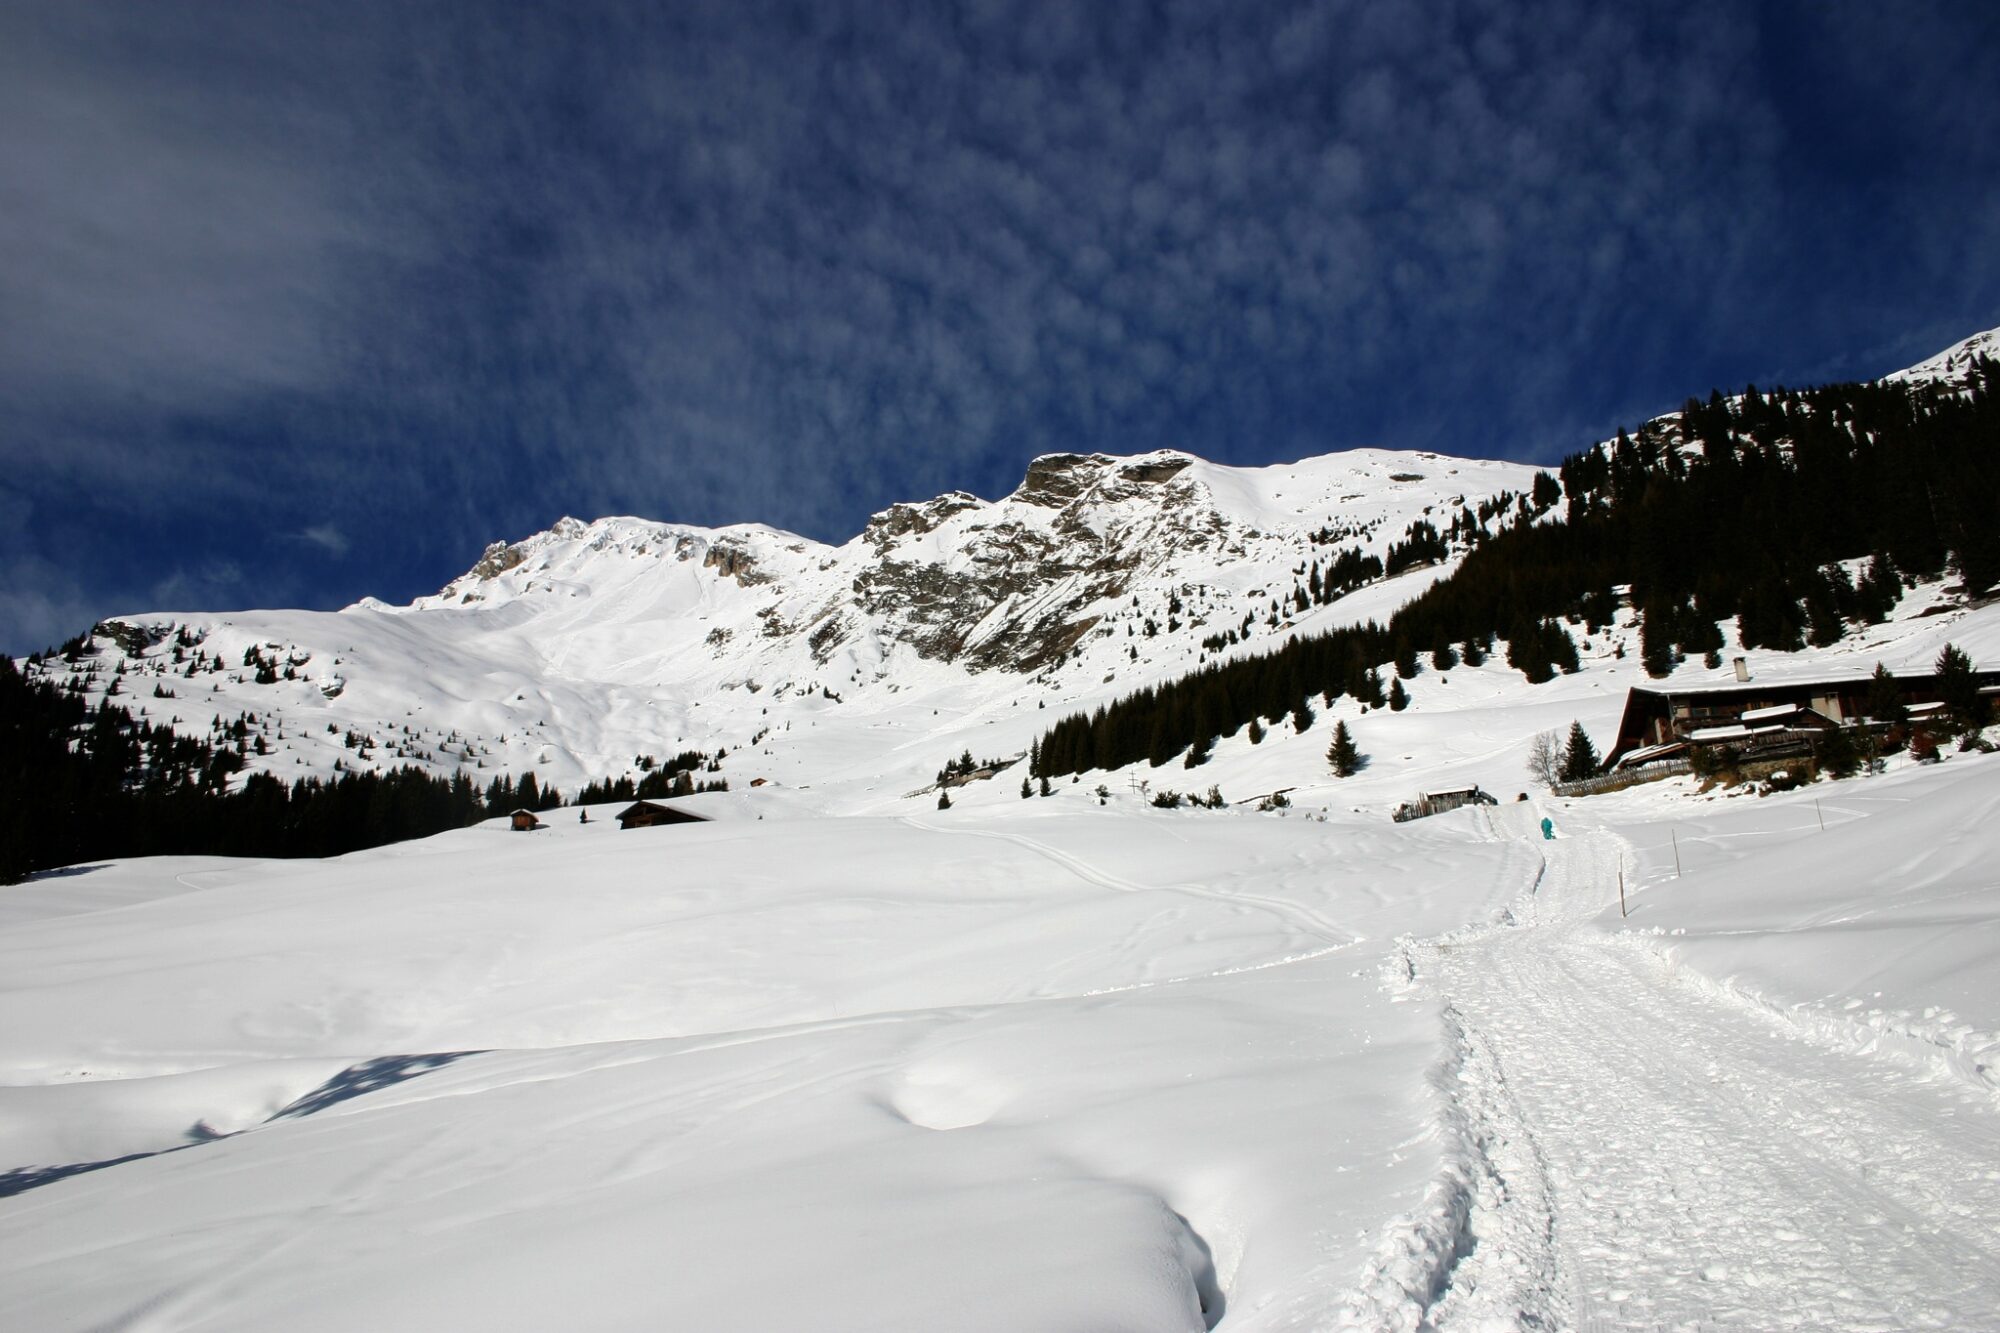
[1579,756]
[1545,758]
[1342,754]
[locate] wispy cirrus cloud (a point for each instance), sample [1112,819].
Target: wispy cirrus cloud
[324,536]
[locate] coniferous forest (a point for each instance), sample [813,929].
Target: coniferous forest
[1794,513]
[85,782]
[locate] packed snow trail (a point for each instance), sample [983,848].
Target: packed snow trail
[1642,1155]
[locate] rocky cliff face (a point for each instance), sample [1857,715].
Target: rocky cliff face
[574,650]
[1013,586]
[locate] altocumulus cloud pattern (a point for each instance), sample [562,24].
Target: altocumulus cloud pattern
[312,301]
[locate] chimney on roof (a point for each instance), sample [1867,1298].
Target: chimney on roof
[1742,668]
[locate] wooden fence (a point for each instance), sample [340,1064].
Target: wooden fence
[1622,778]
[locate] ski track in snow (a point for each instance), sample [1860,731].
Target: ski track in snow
[1628,1151]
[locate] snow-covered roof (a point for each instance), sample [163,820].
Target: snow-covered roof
[1710,735]
[1648,753]
[1775,681]
[1770,714]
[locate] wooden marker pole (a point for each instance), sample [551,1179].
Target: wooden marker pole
[1822,815]
[1677,851]
[1621,891]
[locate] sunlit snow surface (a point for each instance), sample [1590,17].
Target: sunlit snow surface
[1040,1064]
[1064,1070]
[842,1060]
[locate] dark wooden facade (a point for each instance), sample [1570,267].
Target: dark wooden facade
[1659,716]
[647,814]
[1438,802]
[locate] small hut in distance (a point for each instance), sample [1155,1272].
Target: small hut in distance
[646,814]
[524,821]
[1438,802]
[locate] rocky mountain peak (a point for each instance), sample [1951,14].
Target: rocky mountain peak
[905,519]
[498,559]
[1055,481]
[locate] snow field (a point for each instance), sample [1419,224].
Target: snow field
[1636,1142]
[841,1060]
[1056,1071]
[1029,1064]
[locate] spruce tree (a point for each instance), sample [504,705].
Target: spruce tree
[1885,697]
[1579,756]
[1342,754]
[944,800]
[1959,687]
[1561,648]
[1823,612]
[1836,752]
[1399,698]
[1656,648]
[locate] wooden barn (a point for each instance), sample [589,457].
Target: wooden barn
[1430,803]
[525,821]
[647,814]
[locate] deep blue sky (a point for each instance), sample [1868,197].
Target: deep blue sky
[304,301]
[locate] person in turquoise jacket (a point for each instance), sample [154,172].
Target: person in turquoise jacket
[1548,829]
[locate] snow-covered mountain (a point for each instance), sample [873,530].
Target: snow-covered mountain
[945,625]
[576,651]
[1707,1057]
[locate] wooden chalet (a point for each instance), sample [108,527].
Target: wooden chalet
[1775,716]
[647,814]
[524,821]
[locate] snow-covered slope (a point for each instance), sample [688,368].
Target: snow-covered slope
[577,650]
[1046,1064]
[839,1060]
[1950,367]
